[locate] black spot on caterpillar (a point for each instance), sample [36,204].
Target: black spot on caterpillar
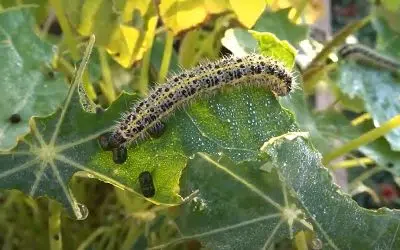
[157,130]
[146,184]
[363,54]
[253,69]
[15,118]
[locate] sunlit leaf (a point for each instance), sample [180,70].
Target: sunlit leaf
[181,15]
[308,11]
[248,13]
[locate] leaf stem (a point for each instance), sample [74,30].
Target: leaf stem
[107,84]
[166,57]
[67,31]
[300,10]
[363,139]
[353,163]
[77,79]
[55,225]
[360,119]
[339,38]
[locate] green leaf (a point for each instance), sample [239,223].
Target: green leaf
[253,204]
[242,42]
[30,86]
[218,125]
[238,206]
[391,5]
[339,222]
[232,123]
[378,89]
[270,45]
[280,24]
[388,33]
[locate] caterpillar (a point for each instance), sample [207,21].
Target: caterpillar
[364,54]
[178,90]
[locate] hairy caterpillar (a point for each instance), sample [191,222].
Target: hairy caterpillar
[367,55]
[146,115]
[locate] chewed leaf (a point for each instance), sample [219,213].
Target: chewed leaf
[300,168]
[30,86]
[231,122]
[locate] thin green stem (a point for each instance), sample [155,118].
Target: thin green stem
[107,85]
[77,79]
[144,71]
[338,39]
[300,10]
[86,243]
[353,163]
[166,57]
[367,174]
[55,225]
[363,139]
[67,31]
[360,119]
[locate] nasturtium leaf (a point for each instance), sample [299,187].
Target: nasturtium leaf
[339,222]
[247,13]
[270,45]
[113,23]
[279,23]
[29,84]
[306,11]
[236,201]
[241,42]
[220,124]
[181,15]
[238,206]
[378,88]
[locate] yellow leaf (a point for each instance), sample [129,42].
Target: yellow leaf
[309,10]
[132,5]
[123,46]
[216,6]
[180,15]
[88,13]
[248,12]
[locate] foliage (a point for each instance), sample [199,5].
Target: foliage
[238,169]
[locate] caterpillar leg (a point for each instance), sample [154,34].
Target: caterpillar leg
[104,142]
[157,130]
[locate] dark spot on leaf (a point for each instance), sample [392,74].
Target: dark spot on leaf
[15,118]
[120,155]
[146,184]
